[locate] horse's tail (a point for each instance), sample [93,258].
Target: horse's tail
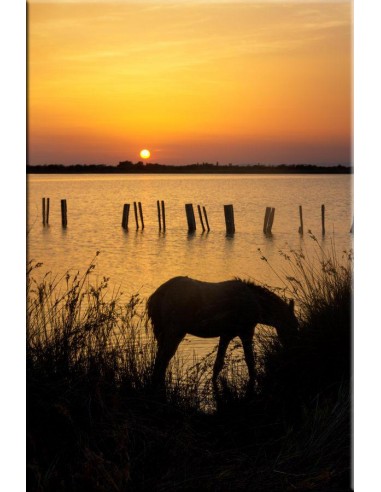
[157,305]
[150,306]
[154,314]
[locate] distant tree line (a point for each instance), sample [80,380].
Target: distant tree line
[128,167]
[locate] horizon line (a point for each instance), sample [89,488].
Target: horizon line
[215,164]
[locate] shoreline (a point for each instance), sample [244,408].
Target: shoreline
[193,169]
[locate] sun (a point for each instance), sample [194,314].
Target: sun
[145,154]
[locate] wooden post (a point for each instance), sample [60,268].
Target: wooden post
[229,219]
[136,216]
[200,215]
[352,228]
[301,219]
[158,213]
[323,219]
[206,218]
[47,210]
[190,217]
[271,220]
[163,214]
[43,210]
[141,214]
[126,212]
[266,220]
[64,213]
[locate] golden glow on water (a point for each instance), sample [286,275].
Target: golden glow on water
[142,259]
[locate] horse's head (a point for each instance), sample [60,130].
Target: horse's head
[289,327]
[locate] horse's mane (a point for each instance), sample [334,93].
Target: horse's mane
[260,290]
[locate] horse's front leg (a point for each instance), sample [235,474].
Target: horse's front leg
[247,343]
[222,347]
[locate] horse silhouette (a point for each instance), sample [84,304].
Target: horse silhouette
[226,309]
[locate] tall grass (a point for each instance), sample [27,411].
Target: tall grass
[95,423]
[322,286]
[77,328]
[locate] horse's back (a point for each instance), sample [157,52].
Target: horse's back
[180,292]
[200,308]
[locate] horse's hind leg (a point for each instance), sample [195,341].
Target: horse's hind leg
[218,365]
[166,350]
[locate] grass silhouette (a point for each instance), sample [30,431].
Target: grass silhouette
[94,423]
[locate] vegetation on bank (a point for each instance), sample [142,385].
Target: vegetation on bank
[94,422]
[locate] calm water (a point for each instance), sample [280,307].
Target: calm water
[139,261]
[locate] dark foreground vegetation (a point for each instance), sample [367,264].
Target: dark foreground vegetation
[94,423]
[128,167]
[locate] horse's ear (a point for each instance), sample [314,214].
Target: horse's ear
[292,305]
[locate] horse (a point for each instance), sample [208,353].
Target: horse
[227,309]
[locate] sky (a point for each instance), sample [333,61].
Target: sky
[192,81]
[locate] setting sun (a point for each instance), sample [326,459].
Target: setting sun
[145,154]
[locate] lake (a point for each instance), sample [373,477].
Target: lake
[140,260]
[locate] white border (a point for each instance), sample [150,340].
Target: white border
[367,244]
[13,243]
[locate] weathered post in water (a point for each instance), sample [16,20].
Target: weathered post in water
[47,210]
[163,214]
[126,212]
[158,213]
[266,219]
[323,219]
[301,219]
[229,219]
[206,218]
[190,217]
[43,210]
[141,214]
[271,220]
[64,213]
[200,216]
[136,215]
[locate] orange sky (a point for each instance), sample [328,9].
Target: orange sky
[191,81]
